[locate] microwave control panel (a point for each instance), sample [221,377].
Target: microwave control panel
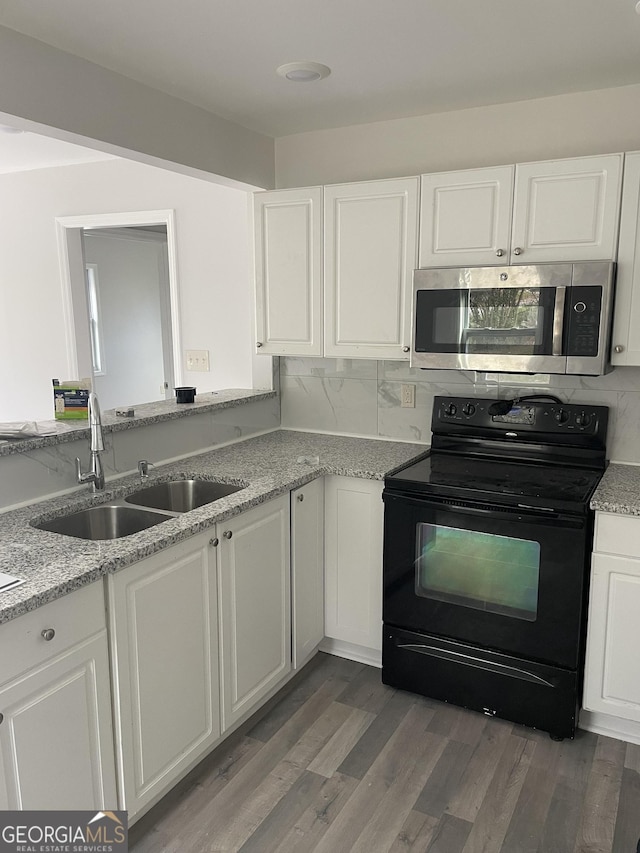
[583,321]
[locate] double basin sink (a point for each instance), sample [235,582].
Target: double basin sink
[145,508]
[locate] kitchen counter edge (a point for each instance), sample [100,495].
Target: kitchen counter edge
[619,490]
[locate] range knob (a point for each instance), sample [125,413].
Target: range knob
[451,410]
[583,419]
[468,409]
[561,416]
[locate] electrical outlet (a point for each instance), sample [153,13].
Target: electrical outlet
[197,359]
[408,396]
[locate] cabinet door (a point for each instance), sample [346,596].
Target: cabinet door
[465,217]
[612,675]
[255,606]
[288,271]
[625,348]
[353,561]
[307,569]
[566,210]
[164,642]
[370,254]
[56,742]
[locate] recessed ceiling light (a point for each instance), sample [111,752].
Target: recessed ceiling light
[303,72]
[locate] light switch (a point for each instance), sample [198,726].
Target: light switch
[197,359]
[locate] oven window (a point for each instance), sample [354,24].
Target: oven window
[499,574]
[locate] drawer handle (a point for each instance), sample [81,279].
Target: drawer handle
[227,534]
[300,498]
[1,717]
[48,634]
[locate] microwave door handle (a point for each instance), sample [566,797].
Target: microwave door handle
[558,321]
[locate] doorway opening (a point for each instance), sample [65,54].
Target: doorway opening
[121,311]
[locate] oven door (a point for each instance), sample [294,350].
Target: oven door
[507,579]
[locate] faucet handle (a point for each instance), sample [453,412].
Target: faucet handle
[143,467]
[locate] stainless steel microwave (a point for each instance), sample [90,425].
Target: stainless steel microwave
[547,318]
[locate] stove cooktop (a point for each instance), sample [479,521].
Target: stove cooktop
[553,486]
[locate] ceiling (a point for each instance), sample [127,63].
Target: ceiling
[389,58]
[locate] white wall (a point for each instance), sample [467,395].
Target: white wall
[129,280]
[212,260]
[66,93]
[564,126]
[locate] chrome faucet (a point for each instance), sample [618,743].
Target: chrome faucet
[96,475]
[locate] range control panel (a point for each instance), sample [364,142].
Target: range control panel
[527,418]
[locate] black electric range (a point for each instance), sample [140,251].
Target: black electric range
[487,549]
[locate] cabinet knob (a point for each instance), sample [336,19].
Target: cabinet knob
[214,542]
[258,344]
[405,349]
[48,634]
[300,498]
[1,717]
[499,252]
[227,534]
[517,250]
[618,348]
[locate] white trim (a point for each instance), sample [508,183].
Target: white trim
[351,651]
[610,726]
[120,220]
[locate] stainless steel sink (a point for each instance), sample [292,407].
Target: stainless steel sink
[108,521]
[182,495]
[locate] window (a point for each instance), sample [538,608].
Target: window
[499,574]
[95,328]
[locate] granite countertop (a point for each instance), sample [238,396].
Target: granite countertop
[268,465]
[619,490]
[145,414]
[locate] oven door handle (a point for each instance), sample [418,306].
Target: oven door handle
[534,515]
[477,663]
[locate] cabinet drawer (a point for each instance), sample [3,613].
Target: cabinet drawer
[617,534]
[72,617]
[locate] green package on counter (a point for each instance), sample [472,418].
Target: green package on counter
[71,399]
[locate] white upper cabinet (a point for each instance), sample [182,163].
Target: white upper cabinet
[371,233]
[566,210]
[556,210]
[288,271]
[625,348]
[465,217]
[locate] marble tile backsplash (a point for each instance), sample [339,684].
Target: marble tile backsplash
[363,397]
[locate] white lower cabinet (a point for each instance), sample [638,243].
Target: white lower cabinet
[353,567]
[164,623]
[307,570]
[56,741]
[612,672]
[255,606]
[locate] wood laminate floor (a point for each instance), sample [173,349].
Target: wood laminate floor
[343,763]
